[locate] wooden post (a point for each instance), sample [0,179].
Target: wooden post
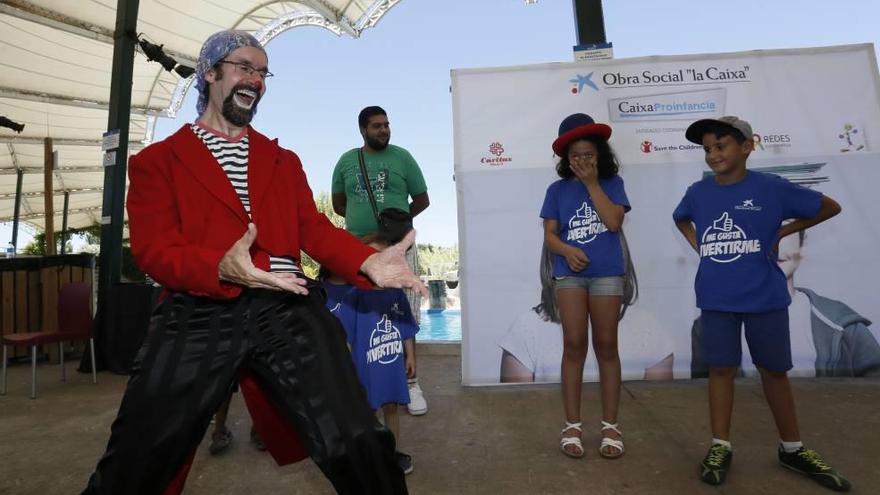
[48,196]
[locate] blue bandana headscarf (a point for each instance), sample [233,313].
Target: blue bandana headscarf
[215,49]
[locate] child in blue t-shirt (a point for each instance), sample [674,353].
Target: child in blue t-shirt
[337,290]
[380,329]
[735,220]
[583,213]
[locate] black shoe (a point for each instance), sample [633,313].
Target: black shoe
[808,463]
[220,441]
[713,469]
[256,441]
[405,462]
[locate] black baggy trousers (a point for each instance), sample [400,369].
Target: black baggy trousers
[196,349]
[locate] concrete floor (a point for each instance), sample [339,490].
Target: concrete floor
[473,440]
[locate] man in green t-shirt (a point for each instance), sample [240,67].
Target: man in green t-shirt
[393,173]
[395,177]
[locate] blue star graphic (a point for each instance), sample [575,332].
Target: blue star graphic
[582,81]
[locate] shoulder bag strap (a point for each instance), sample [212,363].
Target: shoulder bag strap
[367,185]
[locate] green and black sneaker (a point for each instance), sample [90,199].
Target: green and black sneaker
[808,463]
[715,465]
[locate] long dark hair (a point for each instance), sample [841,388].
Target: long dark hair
[547,309]
[607,160]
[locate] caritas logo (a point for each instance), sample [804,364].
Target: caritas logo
[646,146]
[496,149]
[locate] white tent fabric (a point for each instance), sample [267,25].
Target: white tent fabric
[55,73]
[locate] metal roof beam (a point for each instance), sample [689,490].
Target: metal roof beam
[378,9]
[39,170]
[12,139]
[332,15]
[56,192]
[28,11]
[13,158]
[31,216]
[23,94]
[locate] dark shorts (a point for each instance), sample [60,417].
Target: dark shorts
[766,335]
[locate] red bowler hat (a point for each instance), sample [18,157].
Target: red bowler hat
[578,125]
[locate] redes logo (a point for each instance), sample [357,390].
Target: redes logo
[770,141]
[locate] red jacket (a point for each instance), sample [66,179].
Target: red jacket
[184,215]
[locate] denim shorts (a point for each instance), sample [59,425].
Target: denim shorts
[596,286]
[766,335]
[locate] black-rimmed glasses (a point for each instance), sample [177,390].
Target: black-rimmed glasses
[248,69]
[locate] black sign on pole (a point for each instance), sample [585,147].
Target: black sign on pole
[589,22]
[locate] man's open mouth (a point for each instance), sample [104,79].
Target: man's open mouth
[245,98]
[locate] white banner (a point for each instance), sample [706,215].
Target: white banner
[816,117]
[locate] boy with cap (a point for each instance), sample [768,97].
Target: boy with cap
[219,214]
[735,219]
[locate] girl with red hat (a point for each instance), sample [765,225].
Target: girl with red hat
[583,214]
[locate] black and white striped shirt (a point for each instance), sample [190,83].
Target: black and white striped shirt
[232,156]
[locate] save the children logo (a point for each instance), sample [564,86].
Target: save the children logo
[646,146]
[585,225]
[724,241]
[385,342]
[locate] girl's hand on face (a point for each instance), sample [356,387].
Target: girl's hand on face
[586,170]
[577,260]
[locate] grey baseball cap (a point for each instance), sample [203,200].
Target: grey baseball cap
[695,131]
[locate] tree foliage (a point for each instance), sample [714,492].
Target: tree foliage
[89,242]
[434,261]
[325,206]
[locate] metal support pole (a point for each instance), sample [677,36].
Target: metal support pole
[33,372]
[110,259]
[64,222]
[589,22]
[48,195]
[18,181]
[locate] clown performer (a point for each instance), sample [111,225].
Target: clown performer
[218,215]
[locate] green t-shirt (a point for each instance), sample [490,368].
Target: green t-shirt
[394,175]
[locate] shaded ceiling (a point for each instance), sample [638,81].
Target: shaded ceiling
[55,72]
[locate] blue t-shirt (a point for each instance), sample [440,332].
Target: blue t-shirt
[568,202]
[336,296]
[737,226]
[376,323]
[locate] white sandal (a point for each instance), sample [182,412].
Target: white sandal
[576,441]
[614,443]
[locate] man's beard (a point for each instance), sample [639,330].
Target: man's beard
[376,144]
[235,114]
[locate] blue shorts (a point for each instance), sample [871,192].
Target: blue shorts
[766,334]
[596,286]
